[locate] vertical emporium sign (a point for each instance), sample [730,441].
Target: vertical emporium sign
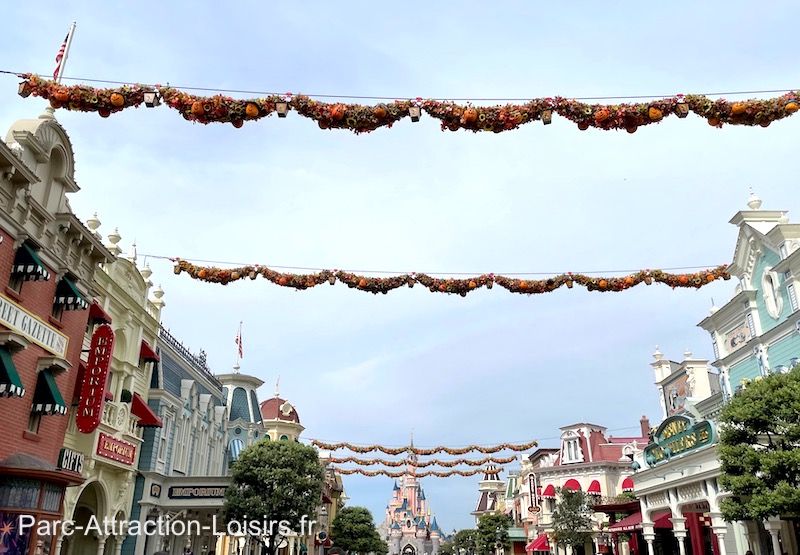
[95,380]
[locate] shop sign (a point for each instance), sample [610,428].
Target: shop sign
[93,389]
[35,330]
[676,436]
[116,449]
[70,460]
[197,492]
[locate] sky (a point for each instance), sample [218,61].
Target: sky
[489,368]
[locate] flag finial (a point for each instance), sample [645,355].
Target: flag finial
[277,387]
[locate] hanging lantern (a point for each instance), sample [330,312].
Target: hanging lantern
[682,109]
[282,107]
[547,117]
[414,112]
[24,89]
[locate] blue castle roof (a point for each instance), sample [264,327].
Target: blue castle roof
[434,525]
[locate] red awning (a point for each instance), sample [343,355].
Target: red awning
[97,314]
[326,499]
[147,418]
[594,488]
[147,352]
[549,492]
[627,484]
[634,522]
[572,484]
[662,520]
[539,544]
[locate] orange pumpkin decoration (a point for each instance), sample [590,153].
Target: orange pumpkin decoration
[738,108]
[629,280]
[235,275]
[380,111]
[472,285]
[104,112]
[443,288]
[655,114]
[683,279]
[62,95]
[202,273]
[198,108]
[602,114]
[362,283]
[470,115]
[337,111]
[117,100]
[583,126]
[713,122]
[791,107]
[237,123]
[603,284]
[523,284]
[283,281]
[711,277]
[251,110]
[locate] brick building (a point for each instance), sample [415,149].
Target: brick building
[48,260]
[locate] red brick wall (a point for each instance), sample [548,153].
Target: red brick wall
[37,298]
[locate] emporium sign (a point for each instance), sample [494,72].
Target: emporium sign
[116,449]
[678,435]
[196,492]
[95,378]
[21,321]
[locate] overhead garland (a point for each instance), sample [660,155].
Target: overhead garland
[452,116]
[459,286]
[424,464]
[422,451]
[390,474]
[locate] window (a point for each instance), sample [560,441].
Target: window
[751,325]
[284,438]
[784,250]
[164,439]
[772,298]
[239,406]
[58,311]
[714,344]
[572,451]
[792,296]
[15,283]
[33,422]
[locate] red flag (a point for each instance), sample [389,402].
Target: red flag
[60,56]
[239,341]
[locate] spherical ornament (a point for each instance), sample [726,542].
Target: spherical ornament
[601,115]
[198,108]
[711,277]
[523,284]
[683,279]
[791,106]
[337,111]
[202,273]
[62,95]
[117,100]
[654,113]
[472,285]
[443,288]
[380,111]
[629,280]
[738,108]
[283,281]
[603,284]
[235,275]
[362,282]
[470,115]
[251,110]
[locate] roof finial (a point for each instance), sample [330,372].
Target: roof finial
[277,387]
[754,203]
[412,437]
[236,368]
[713,306]
[657,355]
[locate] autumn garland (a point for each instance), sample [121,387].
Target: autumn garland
[390,474]
[421,451]
[456,286]
[362,119]
[423,464]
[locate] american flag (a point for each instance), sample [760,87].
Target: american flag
[239,341]
[60,56]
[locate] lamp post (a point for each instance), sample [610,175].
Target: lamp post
[498,543]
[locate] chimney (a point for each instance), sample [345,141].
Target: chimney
[644,423]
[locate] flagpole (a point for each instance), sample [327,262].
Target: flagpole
[66,52]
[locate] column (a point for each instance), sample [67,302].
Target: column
[649,535]
[679,531]
[101,545]
[118,544]
[695,533]
[773,526]
[719,527]
[59,543]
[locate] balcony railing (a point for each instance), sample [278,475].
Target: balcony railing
[197,361]
[611,499]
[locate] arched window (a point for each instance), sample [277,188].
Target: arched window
[239,407]
[284,438]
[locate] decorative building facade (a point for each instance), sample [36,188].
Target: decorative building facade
[105,433]
[48,260]
[491,498]
[408,528]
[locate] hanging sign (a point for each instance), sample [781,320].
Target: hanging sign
[95,379]
[676,436]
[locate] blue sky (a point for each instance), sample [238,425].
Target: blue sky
[485,369]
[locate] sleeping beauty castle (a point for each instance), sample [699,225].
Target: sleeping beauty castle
[409,528]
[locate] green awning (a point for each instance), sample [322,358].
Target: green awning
[303,547]
[47,398]
[28,265]
[10,384]
[69,296]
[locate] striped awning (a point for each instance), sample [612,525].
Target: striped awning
[28,265]
[10,383]
[235,448]
[69,296]
[47,398]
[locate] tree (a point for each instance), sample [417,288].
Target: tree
[354,531]
[759,449]
[275,488]
[492,529]
[465,539]
[447,548]
[572,519]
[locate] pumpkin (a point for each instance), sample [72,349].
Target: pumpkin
[202,273]
[738,108]
[470,115]
[654,113]
[237,123]
[380,111]
[251,110]
[713,122]
[235,275]
[337,111]
[198,108]
[791,107]
[583,126]
[602,114]
[603,284]
[629,280]
[472,285]
[523,284]
[443,288]
[104,112]
[683,279]
[117,100]
[362,283]
[711,277]
[54,103]
[283,281]
[62,95]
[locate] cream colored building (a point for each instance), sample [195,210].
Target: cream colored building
[108,456]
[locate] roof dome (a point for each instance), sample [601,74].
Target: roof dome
[279,409]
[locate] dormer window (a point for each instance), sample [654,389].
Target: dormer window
[784,250]
[772,297]
[572,451]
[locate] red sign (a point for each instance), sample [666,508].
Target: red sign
[116,449]
[95,379]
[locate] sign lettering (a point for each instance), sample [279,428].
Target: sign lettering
[95,380]
[677,435]
[70,460]
[116,449]
[204,492]
[35,330]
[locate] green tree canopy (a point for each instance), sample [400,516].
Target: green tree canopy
[465,539]
[759,449]
[354,531]
[492,528]
[276,485]
[572,518]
